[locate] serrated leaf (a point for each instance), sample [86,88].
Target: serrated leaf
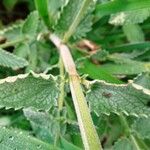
[30,26]
[107,98]
[123,144]
[46,126]
[28,90]
[71,17]
[143,79]
[84,27]
[12,32]
[141,126]
[12,61]
[11,139]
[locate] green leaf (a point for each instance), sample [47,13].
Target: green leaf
[46,125]
[68,146]
[12,139]
[12,61]
[28,90]
[12,32]
[9,4]
[22,50]
[133,33]
[84,27]
[143,79]
[71,17]
[130,17]
[141,126]
[129,47]
[123,144]
[96,72]
[126,68]
[116,6]
[30,26]
[42,7]
[131,99]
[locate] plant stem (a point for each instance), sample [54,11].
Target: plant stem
[134,142]
[141,142]
[128,132]
[88,132]
[62,84]
[7,44]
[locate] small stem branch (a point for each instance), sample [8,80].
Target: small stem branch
[62,84]
[88,132]
[141,142]
[128,132]
[134,142]
[7,44]
[124,124]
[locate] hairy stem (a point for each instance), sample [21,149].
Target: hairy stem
[62,84]
[89,135]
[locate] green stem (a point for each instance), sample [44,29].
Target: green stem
[128,132]
[124,124]
[141,142]
[76,20]
[12,43]
[136,145]
[62,85]
[88,132]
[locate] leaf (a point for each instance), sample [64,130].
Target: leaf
[123,144]
[12,32]
[28,90]
[22,50]
[9,4]
[12,61]
[73,14]
[96,72]
[46,126]
[133,33]
[84,27]
[12,139]
[130,17]
[141,126]
[131,99]
[67,145]
[129,47]
[143,79]
[42,7]
[30,26]
[116,6]
[126,68]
